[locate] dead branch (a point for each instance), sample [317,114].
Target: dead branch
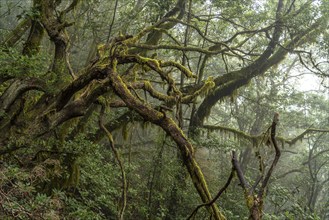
[228,182]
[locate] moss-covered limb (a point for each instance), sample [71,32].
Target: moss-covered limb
[115,124]
[17,88]
[119,161]
[206,87]
[45,120]
[171,128]
[153,64]
[79,106]
[302,135]
[210,100]
[258,138]
[228,83]
[87,75]
[13,37]
[239,133]
[156,65]
[180,67]
[147,86]
[55,28]
[44,123]
[174,47]
[259,66]
[169,99]
[45,117]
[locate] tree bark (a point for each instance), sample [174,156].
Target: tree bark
[231,81]
[171,128]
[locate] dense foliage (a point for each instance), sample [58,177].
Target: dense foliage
[175,109]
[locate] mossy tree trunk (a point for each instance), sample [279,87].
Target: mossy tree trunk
[111,76]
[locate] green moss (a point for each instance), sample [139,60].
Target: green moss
[148,87]
[249,200]
[102,50]
[149,61]
[204,90]
[180,67]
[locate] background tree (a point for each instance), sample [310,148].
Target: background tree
[144,74]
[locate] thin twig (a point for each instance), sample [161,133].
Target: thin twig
[117,157]
[228,182]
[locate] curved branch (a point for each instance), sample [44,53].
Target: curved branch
[171,128]
[89,74]
[244,184]
[229,82]
[175,47]
[276,158]
[228,182]
[302,135]
[19,87]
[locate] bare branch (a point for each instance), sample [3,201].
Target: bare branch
[239,172]
[276,158]
[228,182]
